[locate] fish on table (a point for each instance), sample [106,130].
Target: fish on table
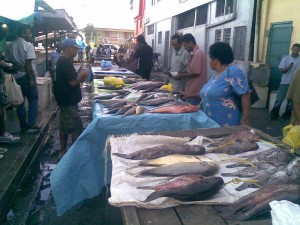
[235,147]
[276,156]
[204,168]
[188,189]
[123,109]
[172,159]
[160,150]
[176,108]
[143,85]
[156,101]
[257,202]
[245,135]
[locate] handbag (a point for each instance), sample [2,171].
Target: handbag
[14,91]
[253,96]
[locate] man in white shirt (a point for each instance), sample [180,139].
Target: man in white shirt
[288,66]
[178,64]
[21,53]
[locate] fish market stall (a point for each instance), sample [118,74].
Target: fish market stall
[102,70]
[80,174]
[163,198]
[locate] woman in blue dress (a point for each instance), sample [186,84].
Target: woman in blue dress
[225,97]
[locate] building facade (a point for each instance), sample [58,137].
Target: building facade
[209,21]
[138,7]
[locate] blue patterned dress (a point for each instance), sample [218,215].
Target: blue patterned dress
[219,99]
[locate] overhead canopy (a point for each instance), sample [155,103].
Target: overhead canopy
[60,21]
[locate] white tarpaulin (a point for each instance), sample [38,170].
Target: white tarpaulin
[124,190]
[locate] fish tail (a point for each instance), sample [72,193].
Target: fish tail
[154,195]
[122,155]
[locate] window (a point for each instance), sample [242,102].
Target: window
[150,29]
[201,17]
[239,42]
[159,37]
[224,6]
[218,34]
[153,2]
[186,19]
[227,35]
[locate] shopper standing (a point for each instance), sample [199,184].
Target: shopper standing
[144,54]
[179,63]
[21,53]
[288,66]
[68,94]
[197,70]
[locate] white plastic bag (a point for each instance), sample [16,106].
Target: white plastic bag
[14,91]
[285,213]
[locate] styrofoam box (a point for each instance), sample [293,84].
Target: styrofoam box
[273,95]
[45,91]
[263,96]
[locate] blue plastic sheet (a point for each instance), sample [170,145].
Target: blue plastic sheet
[80,173]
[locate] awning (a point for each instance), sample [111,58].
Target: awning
[44,5]
[60,21]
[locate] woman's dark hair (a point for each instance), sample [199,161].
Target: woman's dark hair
[188,38]
[221,51]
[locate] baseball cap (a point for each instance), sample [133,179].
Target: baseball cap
[69,43]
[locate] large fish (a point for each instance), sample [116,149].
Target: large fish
[204,168]
[178,108]
[110,101]
[237,146]
[156,101]
[172,159]
[160,150]
[282,175]
[197,190]
[246,135]
[106,96]
[123,109]
[257,202]
[253,171]
[147,84]
[175,182]
[276,156]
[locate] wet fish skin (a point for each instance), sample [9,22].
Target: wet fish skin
[148,97]
[110,101]
[240,145]
[253,171]
[140,110]
[112,111]
[147,84]
[106,96]
[247,135]
[116,105]
[175,109]
[156,101]
[171,159]
[274,155]
[131,111]
[257,202]
[160,150]
[141,97]
[200,189]
[123,109]
[175,182]
[205,168]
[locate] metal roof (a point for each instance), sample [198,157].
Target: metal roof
[60,21]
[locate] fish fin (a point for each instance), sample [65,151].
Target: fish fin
[154,195]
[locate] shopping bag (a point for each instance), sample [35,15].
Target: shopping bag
[14,91]
[291,136]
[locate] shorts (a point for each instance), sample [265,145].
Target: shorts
[69,120]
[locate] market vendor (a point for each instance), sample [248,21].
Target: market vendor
[226,89]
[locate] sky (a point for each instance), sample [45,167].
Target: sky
[100,13]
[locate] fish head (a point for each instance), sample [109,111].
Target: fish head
[293,168]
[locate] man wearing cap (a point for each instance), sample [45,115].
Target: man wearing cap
[144,54]
[68,93]
[21,53]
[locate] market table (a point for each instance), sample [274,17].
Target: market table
[100,73]
[81,172]
[191,214]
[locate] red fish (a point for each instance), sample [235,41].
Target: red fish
[175,109]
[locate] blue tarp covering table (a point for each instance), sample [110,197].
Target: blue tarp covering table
[81,172]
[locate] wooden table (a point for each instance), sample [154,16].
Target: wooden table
[191,214]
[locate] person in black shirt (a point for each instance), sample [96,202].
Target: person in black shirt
[68,94]
[144,54]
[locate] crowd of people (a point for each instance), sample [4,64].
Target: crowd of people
[224,95]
